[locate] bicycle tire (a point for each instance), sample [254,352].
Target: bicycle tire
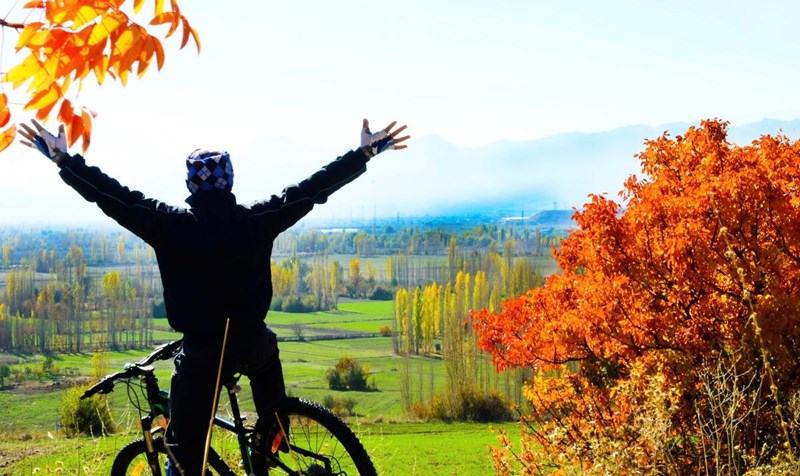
[316,429]
[132,458]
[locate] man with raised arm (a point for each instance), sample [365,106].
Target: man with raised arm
[214,259]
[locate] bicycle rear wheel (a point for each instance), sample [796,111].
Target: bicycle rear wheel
[132,459]
[320,443]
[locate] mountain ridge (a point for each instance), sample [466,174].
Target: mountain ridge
[557,171]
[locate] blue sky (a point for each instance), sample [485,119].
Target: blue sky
[299,76]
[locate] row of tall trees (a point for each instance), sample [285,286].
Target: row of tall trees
[69,308]
[425,241]
[43,247]
[433,318]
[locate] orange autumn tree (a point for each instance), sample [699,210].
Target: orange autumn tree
[670,342]
[63,42]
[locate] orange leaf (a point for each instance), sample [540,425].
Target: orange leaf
[85,15]
[44,113]
[123,77]
[34,4]
[161,18]
[159,7]
[75,128]
[127,40]
[100,67]
[110,23]
[137,5]
[23,71]
[174,26]
[7,137]
[39,39]
[146,55]
[42,99]
[186,30]
[27,33]
[87,130]
[196,37]
[65,113]
[59,16]
[128,46]
[159,52]
[5,112]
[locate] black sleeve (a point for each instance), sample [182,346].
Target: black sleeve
[280,212]
[129,208]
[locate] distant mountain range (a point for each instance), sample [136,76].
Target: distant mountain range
[431,178]
[520,178]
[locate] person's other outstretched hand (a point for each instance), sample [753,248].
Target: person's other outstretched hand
[386,138]
[54,148]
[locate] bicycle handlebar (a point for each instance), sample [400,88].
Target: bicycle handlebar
[142,367]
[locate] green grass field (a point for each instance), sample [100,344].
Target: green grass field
[29,416]
[399,449]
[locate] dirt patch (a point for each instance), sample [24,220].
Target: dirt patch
[30,387]
[9,359]
[9,457]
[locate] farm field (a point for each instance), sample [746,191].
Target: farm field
[398,449]
[29,414]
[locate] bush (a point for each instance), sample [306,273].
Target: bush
[381,294]
[329,401]
[294,304]
[340,406]
[349,404]
[90,416]
[336,380]
[348,374]
[483,406]
[468,404]
[385,331]
[5,372]
[421,411]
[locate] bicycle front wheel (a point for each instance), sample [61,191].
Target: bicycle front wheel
[320,444]
[132,459]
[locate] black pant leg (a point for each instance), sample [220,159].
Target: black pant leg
[191,399]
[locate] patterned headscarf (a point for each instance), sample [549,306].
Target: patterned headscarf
[208,170]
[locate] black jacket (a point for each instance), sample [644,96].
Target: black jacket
[214,258]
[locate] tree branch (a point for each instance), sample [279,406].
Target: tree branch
[16,26]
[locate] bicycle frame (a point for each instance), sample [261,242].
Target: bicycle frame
[158,401]
[158,407]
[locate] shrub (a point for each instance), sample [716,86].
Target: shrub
[340,406]
[483,406]
[329,401]
[294,304]
[385,331]
[420,411]
[381,294]
[468,404]
[668,344]
[5,372]
[348,374]
[440,408]
[349,405]
[90,416]
[336,380]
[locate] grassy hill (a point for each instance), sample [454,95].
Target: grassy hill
[31,442]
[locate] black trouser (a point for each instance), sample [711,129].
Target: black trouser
[191,395]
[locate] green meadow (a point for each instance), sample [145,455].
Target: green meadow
[32,444]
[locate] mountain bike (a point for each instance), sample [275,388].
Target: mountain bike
[305,438]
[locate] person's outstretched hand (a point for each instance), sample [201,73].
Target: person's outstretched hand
[54,148]
[386,138]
